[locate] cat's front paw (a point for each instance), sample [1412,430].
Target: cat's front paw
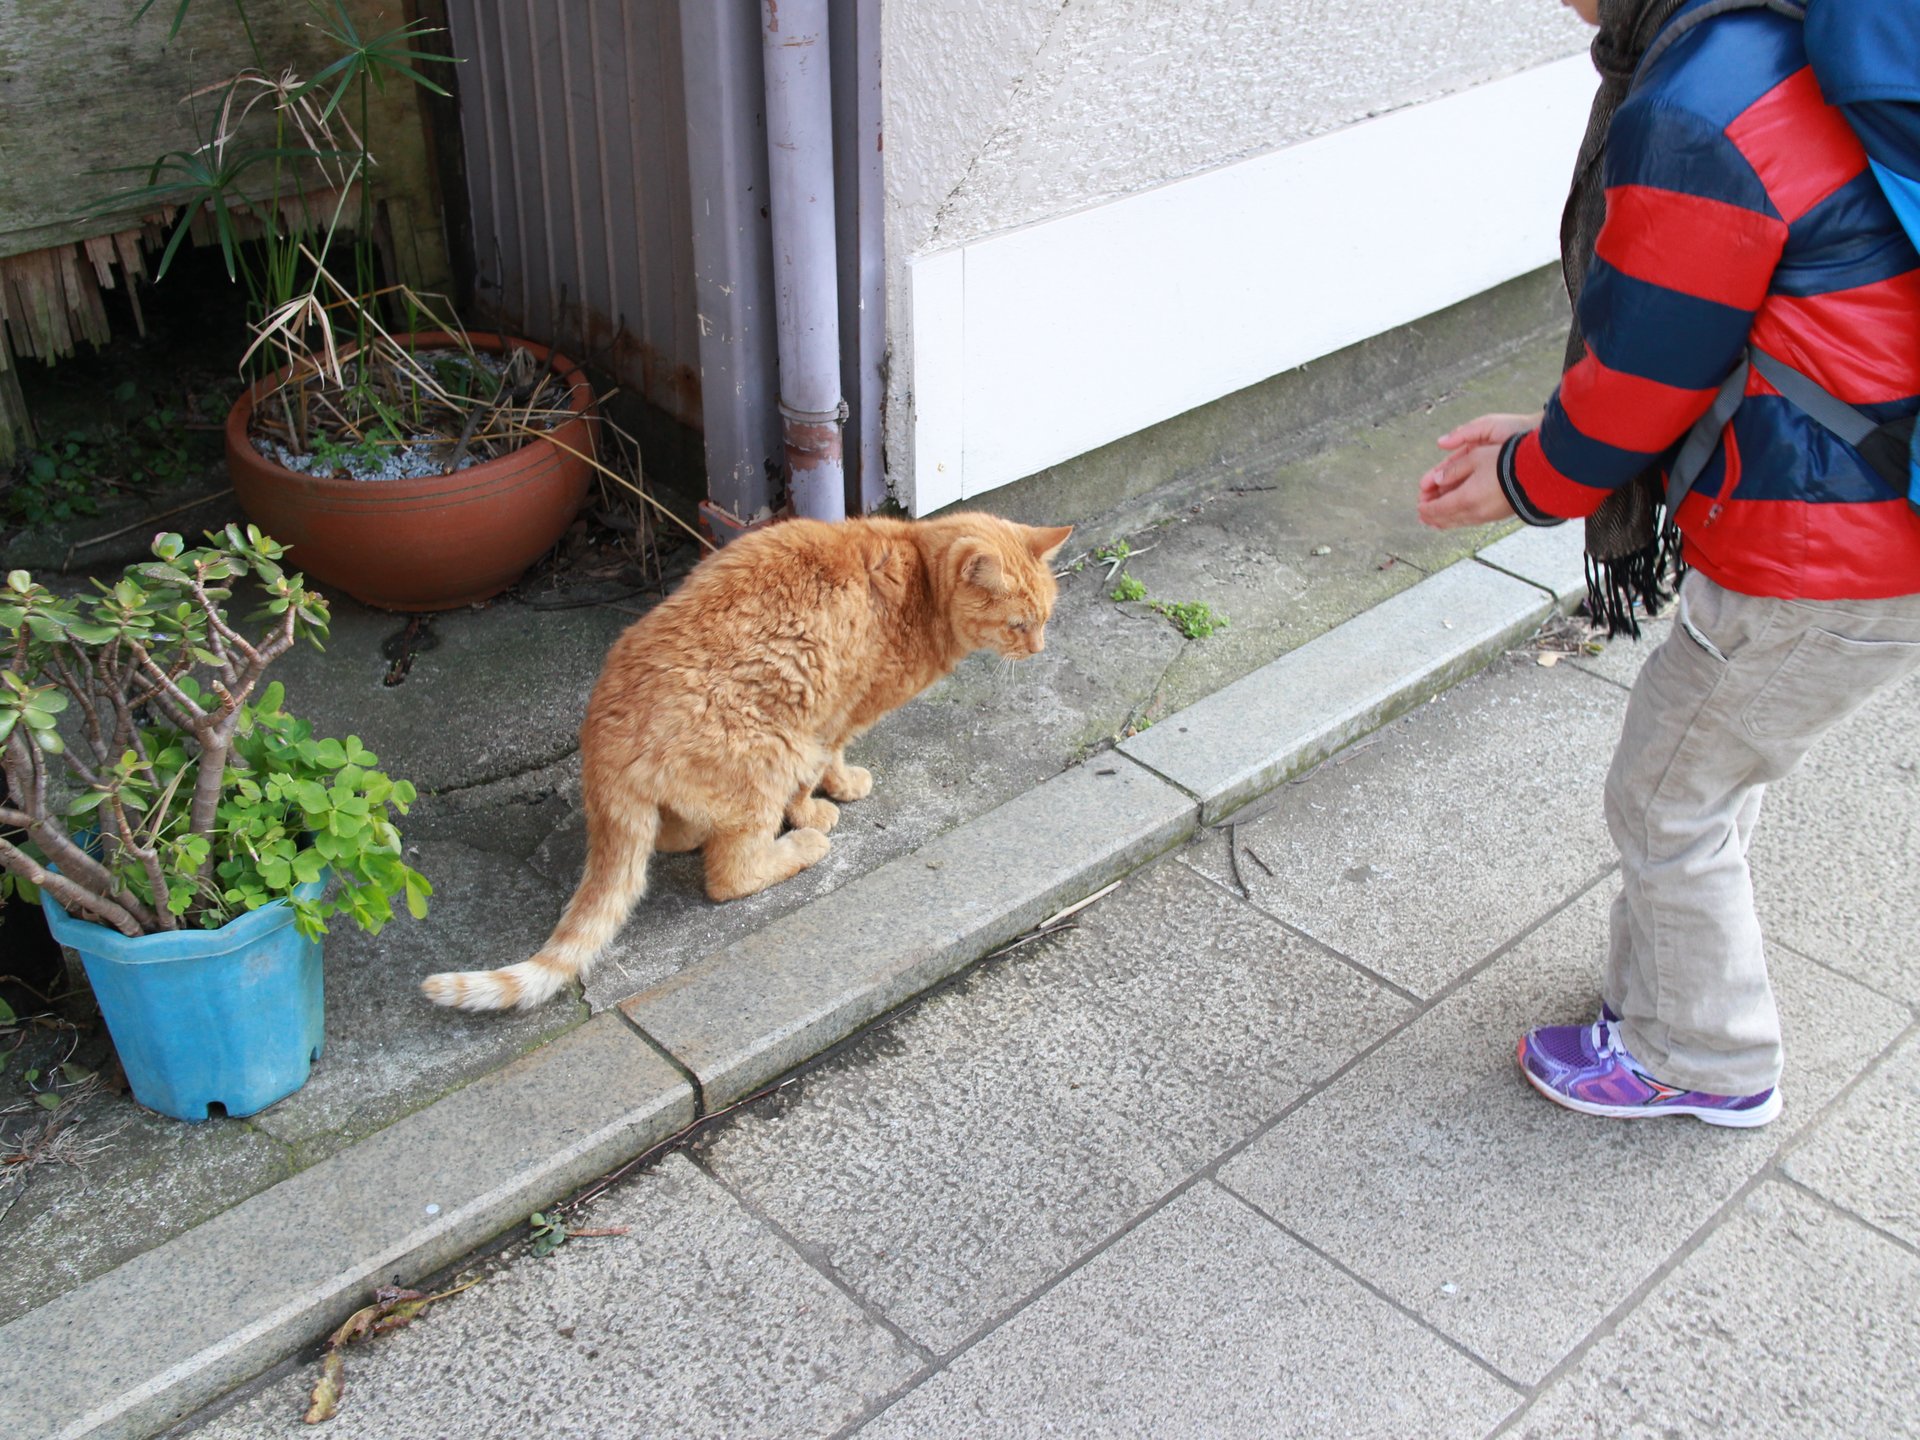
[848,782]
[813,814]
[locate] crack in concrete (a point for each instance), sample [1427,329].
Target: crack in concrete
[530,768]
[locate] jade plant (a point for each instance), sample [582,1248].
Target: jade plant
[153,781]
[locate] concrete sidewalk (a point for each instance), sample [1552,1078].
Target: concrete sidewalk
[1242,1150]
[1000,800]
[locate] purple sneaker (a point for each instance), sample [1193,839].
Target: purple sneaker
[1586,1068]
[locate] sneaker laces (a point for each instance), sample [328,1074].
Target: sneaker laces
[1605,1043]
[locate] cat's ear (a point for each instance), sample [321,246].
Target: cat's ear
[1045,540]
[979,566]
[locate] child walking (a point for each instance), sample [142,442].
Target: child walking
[1724,223]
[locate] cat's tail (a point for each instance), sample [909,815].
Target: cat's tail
[619,841]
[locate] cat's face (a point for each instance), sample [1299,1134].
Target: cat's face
[1006,588]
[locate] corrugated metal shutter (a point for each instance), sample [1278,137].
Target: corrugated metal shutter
[574,131]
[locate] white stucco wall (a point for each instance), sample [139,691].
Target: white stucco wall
[1001,114]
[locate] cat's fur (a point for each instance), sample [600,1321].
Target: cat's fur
[723,711]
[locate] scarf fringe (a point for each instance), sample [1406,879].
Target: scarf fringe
[1644,581]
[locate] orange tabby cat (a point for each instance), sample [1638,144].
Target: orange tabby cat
[719,714]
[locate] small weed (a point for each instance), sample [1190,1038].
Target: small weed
[1113,554]
[548,1233]
[332,457]
[57,483]
[1194,619]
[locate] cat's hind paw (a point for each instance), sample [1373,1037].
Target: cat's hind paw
[807,846]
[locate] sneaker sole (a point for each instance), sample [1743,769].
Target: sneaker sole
[1729,1119]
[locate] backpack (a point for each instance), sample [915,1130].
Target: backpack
[1864,55]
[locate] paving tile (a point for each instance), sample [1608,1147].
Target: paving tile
[781,996]
[1790,1322]
[492,690]
[1313,700]
[1836,858]
[139,1347]
[1866,1155]
[699,1322]
[1027,1114]
[1621,656]
[1508,768]
[1433,1170]
[1205,1321]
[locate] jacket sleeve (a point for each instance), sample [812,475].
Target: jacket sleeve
[1683,262]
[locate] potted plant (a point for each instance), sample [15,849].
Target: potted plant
[400,459]
[180,826]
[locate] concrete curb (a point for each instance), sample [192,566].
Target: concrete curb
[1331,691]
[765,1004]
[142,1346]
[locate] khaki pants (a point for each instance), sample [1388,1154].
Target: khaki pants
[1735,696]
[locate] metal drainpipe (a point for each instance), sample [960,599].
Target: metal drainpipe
[806,294]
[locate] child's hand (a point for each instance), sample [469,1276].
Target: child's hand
[1464,489]
[1488,430]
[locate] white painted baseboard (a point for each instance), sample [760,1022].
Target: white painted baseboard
[1043,343]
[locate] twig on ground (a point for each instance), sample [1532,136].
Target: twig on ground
[600,1186]
[1341,757]
[392,1308]
[1039,932]
[139,524]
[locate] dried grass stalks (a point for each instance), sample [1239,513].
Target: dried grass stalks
[56,1140]
[376,388]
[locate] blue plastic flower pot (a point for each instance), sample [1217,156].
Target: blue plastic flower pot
[232,1017]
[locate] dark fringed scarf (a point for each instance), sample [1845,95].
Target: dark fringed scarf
[1632,546]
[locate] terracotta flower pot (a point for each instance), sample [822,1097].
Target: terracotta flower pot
[432,543]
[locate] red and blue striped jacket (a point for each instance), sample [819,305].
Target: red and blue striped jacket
[1741,210]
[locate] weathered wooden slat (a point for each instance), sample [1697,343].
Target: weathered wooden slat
[89,92]
[15,424]
[92,98]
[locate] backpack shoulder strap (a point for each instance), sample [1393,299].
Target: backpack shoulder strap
[1702,439]
[1819,404]
[1814,398]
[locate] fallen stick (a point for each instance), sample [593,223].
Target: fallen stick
[136,525]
